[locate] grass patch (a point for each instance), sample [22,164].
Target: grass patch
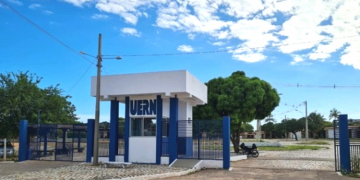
[315,143]
[291,148]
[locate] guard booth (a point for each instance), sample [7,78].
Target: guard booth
[154,102]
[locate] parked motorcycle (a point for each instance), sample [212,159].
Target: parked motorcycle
[253,151]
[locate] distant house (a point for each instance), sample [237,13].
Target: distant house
[251,135]
[354,132]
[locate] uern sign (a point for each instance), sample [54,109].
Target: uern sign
[142,107]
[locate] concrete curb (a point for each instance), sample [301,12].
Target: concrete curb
[6,162]
[160,176]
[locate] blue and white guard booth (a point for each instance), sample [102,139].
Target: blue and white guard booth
[149,98]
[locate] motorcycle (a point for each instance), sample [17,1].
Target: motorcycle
[253,151]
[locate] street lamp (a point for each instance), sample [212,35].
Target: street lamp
[97,110]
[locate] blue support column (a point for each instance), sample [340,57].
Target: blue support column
[127,129]
[114,118]
[90,140]
[158,129]
[226,142]
[344,143]
[23,141]
[174,103]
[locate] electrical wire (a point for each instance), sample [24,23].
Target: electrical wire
[80,77]
[43,30]
[334,86]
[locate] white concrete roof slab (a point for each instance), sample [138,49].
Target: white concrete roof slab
[148,85]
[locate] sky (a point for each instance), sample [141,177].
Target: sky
[302,48]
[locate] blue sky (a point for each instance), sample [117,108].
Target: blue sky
[313,42]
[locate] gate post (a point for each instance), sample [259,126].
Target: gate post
[226,142]
[23,141]
[159,117]
[344,143]
[114,129]
[174,103]
[90,140]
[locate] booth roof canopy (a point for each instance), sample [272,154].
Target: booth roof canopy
[147,85]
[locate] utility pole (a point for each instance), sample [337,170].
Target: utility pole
[286,135]
[306,122]
[97,111]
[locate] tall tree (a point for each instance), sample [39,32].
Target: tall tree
[243,99]
[270,118]
[22,98]
[293,126]
[334,114]
[268,128]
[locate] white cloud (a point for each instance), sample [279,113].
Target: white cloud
[130,31]
[35,6]
[219,43]
[19,3]
[191,36]
[185,48]
[315,26]
[297,59]
[99,16]
[78,3]
[47,12]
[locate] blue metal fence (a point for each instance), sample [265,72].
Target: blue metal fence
[200,139]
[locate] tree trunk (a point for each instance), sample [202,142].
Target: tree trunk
[270,135]
[295,135]
[235,138]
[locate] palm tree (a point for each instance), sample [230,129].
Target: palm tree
[334,113]
[270,118]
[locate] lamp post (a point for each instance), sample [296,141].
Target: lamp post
[97,106]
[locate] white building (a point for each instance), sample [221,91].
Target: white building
[150,100]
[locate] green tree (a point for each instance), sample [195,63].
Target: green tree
[334,114]
[243,99]
[247,127]
[270,118]
[268,128]
[22,98]
[293,126]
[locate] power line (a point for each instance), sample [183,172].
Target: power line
[81,77]
[334,86]
[54,38]
[43,30]
[229,50]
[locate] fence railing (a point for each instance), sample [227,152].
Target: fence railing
[200,139]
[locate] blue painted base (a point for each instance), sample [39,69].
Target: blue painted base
[185,146]
[165,149]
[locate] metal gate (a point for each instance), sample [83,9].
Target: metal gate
[57,142]
[354,148]
[199,139]
[336,145]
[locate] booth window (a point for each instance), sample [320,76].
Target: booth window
[143,127]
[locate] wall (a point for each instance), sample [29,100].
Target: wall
[142,149]
[217,164]
[164,160]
